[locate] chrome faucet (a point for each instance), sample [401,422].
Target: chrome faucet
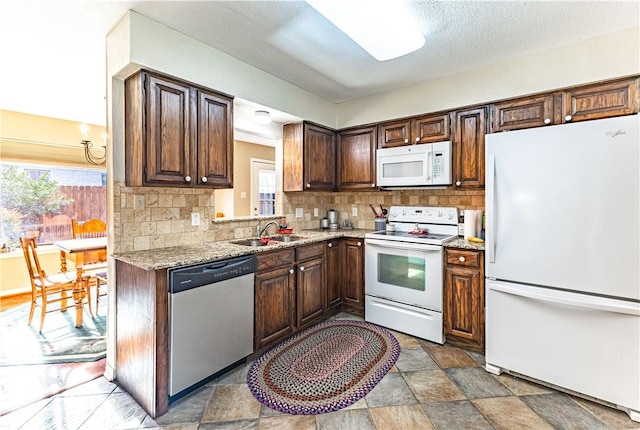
[269,224]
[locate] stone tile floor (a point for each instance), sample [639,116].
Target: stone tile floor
[430,387]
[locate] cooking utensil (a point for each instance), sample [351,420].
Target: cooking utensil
[374,210]
[384,211]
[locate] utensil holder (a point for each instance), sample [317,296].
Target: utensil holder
[381,223]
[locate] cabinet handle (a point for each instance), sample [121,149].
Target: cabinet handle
[547,120]
[373,185]
[462,259]
[417,139]
[302,268]
[458,183]
[204,179]
[406,141]
[308,185]
[330,245]
[291,271]
[359,243]
[187,178]
[568,118]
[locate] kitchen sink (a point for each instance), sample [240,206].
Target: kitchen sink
[286,238]
[257,242]
[250,242]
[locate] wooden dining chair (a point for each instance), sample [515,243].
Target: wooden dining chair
[47,289]
[98,276]
[89,228]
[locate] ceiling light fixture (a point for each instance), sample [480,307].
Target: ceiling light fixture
[261,117]
[91,158]
[381,27]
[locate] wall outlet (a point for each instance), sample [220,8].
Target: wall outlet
[299,213]
[195,218]
[315,211]
[354,212]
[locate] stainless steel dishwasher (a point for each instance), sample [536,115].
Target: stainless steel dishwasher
[210,321]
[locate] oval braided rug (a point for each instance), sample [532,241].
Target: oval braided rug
[325,368]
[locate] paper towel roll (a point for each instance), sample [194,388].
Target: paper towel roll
[469,223]
[478,223]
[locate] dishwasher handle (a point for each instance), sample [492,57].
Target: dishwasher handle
[186,278]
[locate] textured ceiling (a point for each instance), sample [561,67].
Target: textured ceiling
[54,51]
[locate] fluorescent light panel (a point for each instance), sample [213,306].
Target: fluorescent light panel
[383,28]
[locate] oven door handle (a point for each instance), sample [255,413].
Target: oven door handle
[402,245]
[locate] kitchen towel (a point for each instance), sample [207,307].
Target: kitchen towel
[469,223]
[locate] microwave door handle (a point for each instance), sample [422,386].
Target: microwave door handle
[430,167]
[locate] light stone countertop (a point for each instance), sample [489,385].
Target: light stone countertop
[464,244]
[177,256]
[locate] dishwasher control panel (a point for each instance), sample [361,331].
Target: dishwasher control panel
[185,278]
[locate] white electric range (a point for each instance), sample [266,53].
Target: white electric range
[404,270]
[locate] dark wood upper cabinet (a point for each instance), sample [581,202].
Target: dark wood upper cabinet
[431,128]
[309,157]
[357,159]
[394,133]
[177,134]
[468,147]
[522,113]
[600,101]
[215,127]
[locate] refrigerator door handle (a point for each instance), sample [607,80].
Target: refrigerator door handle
[491,211]
[569,299]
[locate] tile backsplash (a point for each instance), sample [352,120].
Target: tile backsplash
[157,217]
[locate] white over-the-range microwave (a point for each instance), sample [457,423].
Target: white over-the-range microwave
[415,165]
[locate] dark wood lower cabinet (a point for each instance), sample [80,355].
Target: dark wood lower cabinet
[311,290]
[142,343]
[275,299]
[464,298]
[333,256]
[353,275]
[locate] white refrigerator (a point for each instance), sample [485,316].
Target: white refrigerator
[563,259]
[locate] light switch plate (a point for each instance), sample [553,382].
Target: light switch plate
[299,213]
[315,211]
[354,211]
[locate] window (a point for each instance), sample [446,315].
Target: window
[41,200]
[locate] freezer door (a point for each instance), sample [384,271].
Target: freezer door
[562,206]
[582,343]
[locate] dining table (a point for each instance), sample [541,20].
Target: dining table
[81,252]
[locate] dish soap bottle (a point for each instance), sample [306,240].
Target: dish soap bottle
[461,223]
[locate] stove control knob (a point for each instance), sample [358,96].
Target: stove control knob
[450,216]
[439,214]
[404,212]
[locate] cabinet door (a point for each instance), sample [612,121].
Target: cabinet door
[319,158]
[468,147]
[396,133]
[357,159]
[523,113]
[311,289]
[333,269]
[170,141]
[353,280]
[432,128]
[215,140]
[464,298]
[600,101]
[275,305]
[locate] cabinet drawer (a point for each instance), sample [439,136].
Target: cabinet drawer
[309,251]
[460,257]
[274,259]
